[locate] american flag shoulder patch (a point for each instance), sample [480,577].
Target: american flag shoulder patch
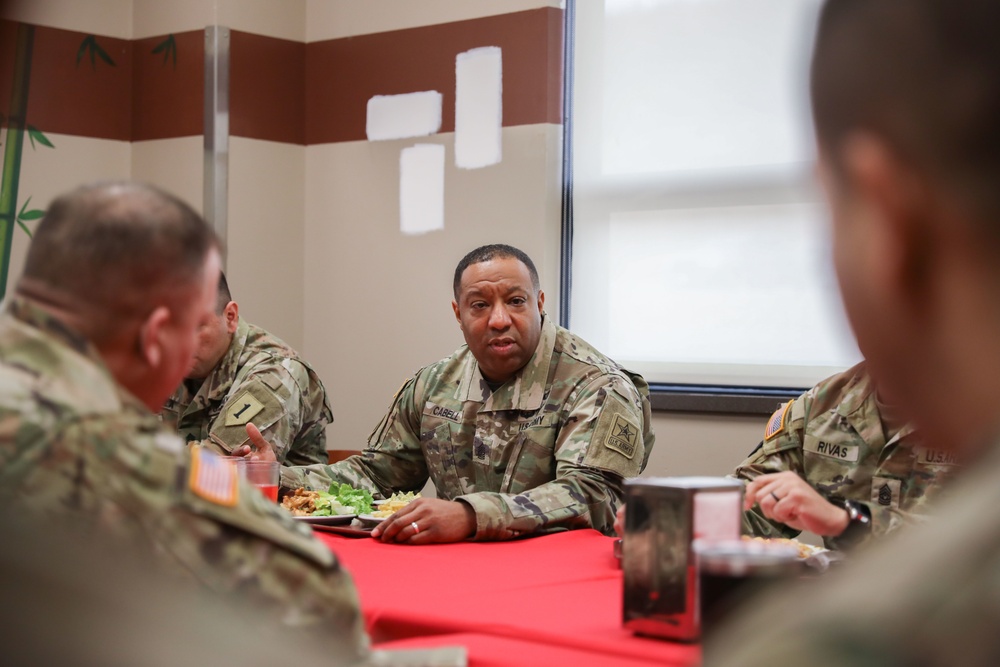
[776,424]
[213,478]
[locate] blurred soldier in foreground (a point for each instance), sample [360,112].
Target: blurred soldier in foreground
[101,329]
[242,374]
[841,463]
[526,429]
[906,96]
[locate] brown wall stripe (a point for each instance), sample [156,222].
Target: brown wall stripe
[342,74]
[267,88]
[168,98]
[280,90]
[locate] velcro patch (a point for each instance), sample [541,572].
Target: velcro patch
[213,478]
[623,436]
[243,409]
[886,491]
[776,424]
[616,444]
[936,457]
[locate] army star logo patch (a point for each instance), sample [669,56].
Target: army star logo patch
[243,409]
[623,437]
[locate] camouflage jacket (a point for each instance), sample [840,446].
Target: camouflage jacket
[77,447]
[930,596]
[259,380]
[547,451]
[833,437]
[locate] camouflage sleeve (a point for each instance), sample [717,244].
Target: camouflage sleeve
[393,460]
[283,399]
[212,525]
[598,445]
[780,450]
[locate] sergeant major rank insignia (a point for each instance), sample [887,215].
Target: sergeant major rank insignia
[623,436]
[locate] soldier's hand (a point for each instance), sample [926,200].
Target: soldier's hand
[428,520]
[620,522]
[787,498]
[259,448]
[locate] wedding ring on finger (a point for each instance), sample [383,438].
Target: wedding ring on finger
[775,496]
[416,528]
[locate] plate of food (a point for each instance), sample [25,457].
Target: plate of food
[805,550]
[331,520]
[340,504]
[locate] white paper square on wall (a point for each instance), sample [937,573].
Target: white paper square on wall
[478,107]
[403,116]
[421,189]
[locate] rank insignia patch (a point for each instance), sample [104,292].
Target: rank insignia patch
[623,437]
[243,409]
[213,478]
[777,422]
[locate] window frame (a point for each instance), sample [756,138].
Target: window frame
[664,397]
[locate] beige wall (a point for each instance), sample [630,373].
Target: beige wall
[330,19]
[378,303]
[315,252]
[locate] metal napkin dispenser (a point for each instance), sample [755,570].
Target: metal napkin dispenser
[663,518]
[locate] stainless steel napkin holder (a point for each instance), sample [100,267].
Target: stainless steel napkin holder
[663,518]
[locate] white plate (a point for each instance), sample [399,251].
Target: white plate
[371,521]
[327,520]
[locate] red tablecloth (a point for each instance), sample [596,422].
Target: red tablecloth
[559,592]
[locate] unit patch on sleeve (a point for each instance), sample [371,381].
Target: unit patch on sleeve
[622,437]
[243,409]
[776,424]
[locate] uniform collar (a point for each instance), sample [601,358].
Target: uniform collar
[26,311]
[855,408]
[524,391]
[220,380]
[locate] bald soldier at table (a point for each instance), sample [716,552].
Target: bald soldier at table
[98,332]
[526,429]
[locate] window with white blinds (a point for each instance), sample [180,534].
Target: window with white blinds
[700,243]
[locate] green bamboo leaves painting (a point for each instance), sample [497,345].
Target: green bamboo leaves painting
[89,46]
[12,216]
[168,48]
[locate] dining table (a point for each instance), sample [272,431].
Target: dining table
[547,600]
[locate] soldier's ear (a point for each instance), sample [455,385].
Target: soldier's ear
[458,316]
[231,314]
[151,336]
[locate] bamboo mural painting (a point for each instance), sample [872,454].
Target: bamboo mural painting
[17,128]
[16,125]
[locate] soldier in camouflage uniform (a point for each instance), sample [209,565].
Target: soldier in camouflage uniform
[834,450]
[527,429]
[102,327]
[242,374]
[906,96]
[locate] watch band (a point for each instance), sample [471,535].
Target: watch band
[859,523]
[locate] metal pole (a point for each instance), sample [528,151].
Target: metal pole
[216,179]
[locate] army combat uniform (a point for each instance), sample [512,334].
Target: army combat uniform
[546,451]
[76,447]
[929,596]
[837,438]
[259,380]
